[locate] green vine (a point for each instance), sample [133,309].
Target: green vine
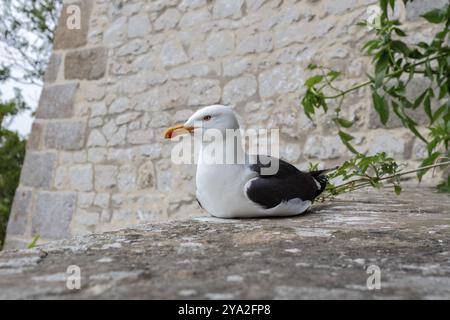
[395,64]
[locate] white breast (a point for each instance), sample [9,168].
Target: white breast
[220,189]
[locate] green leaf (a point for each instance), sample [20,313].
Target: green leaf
[436,15]
[397,189]
[427,105]
[34,242]
[444,187]
[381,107]
[399,32]
[381,67]
[345,137]
[313,81]
[400,46]
[392,4]
[383,6]
[333,75]
[371,45]
[419,100]
[411,125]
[427,162]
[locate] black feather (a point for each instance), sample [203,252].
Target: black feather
[286,184]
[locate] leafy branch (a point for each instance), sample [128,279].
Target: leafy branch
[395,65]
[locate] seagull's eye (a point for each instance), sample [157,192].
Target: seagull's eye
[206,118]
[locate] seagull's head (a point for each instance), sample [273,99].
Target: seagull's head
[216,117]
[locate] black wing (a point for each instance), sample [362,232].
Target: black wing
[288,183]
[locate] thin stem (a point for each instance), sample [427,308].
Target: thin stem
[363,84]
[367,181]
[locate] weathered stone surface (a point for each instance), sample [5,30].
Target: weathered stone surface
[325,147]
[324,254]
[191,4]
[34,139]
[204,92]
[96,139]
[194,18]
[168,20]
[172,54]
[81,177]
[87,64]
[52,214]
[139,26]
[255,43]
[116,32]
[68,34]
[225,8]
[280,79]
[415,9]
[393,145]
[167,58]
[220,44]
[65,135]
[37,170]
[105,177]
[235,66]
[239,89]
[57,101]
[339,7]
[20,211]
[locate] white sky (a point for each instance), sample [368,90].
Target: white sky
[22,122]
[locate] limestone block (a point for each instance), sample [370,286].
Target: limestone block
[139,26]
[68,35]
[324,147]
[226,8]
[53,213]
[279,80]
[65,135]
[220,44]
[167,20]
[105,177]
[239,89]
[204,92]
[20,211]
[87,64]
[81,177]
[51,74]
[194,18]
[57,101]
[172,54]
[37,170]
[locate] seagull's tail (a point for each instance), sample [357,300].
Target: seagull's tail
[321,178]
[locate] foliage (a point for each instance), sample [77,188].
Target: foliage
[26,35]
[395,65]
[12,153]
[34,242]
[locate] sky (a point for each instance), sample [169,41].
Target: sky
[22,122]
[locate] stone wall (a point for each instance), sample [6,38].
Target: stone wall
[96,159]
[331,253]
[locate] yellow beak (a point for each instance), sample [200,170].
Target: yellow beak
[177,131]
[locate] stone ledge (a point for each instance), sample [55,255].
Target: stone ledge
[323,254]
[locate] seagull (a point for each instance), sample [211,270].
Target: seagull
[241,189]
